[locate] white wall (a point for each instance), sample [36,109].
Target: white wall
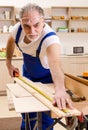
[45,3]
[67,41]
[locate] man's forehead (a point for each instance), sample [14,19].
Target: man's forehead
[31,14]
[33,20]
[32,17]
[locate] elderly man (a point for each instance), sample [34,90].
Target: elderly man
[40,47]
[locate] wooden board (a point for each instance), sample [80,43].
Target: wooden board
[24,101]
[10,100]
[79,87]
[9,120]
[3,93]
[18,91]
[30,104]
[45,101]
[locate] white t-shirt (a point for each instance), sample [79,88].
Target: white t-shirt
[33,46]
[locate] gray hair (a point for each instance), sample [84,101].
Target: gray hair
[31,7]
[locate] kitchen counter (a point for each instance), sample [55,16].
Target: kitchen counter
[62,56]
[75,55]
[4,74]
[14,58]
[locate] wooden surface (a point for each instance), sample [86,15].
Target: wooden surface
[48,89]
[78,79]
[4,75]
[24,95]
[23,100]
[10,100]
[79,87]
[3,93]
[9,120]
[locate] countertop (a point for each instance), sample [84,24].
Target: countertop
[14,58]
[75,55]
[62,56]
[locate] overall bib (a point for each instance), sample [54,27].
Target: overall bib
[33,70]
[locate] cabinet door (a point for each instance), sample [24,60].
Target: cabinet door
[60,19]
[78,65]
[4,74]
[75,65]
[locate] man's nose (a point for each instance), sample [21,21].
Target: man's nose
[32,30]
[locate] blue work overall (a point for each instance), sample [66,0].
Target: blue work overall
[33,70]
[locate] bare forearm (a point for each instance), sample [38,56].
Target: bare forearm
[9,53]
[53,53]
[61,98]
[9,50]
[57,74]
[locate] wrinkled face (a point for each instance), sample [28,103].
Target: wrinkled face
[32,24]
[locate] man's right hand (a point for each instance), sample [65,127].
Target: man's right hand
[12,69]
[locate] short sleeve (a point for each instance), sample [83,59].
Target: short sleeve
[54,39]
[14,30]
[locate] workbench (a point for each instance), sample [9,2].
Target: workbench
[26,102]
[9,120]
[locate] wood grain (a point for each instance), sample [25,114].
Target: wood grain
[43,99]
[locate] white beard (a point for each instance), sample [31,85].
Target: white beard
[33,40]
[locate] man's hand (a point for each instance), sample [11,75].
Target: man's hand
[62,100]
[12,69]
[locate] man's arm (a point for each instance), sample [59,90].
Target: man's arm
[61,97]
[9,54]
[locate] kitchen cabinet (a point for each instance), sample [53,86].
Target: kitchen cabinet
[70,19]
[79,19]
[75,65]
[78,65]
[7,18]
[60,18]
[4,74]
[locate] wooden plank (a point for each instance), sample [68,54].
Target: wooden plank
[77,87]
[80,89]
[3,93]
[44,100]
[47,88]
[18,91]
[10,100]
[28,105]
[40,97]
[9,120]
[78,79]
[24,102]
[35,87]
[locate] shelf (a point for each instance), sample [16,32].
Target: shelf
[73,18]
[7,17]
[6,20]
